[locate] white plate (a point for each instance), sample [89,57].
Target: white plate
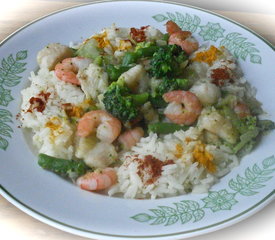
[61,204]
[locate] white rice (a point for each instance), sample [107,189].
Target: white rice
[183,176]
[55,142]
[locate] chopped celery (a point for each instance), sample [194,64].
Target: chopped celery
[245,138]
[89,49]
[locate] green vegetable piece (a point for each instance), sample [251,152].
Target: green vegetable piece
[157,100]
[266,125]
[143,50]
[98,60]
[168,61]
[114,72]
[63,167]
[242,125]
[167,85]
[89,49]
[129,58]
[165,128]
[229,101]
[140,99]
[143,45]
[165,37]
[109,60]
[73,51]
[233,117]
[118,101]
[147,51]
[246,138]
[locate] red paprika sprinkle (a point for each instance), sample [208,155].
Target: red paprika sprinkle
[219,76]
[39,102]
[138,34]
[150,168]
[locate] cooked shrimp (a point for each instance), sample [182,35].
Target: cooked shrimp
[175,111]
[172,27]
[242,110]
[93,181]
[178,37]
[106,126]
[129,138]
[184,40]
[181,38]
[67,70]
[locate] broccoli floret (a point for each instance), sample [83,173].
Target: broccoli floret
[242,125]
[121,103]
[266,125]
[167,85]
[115,71]
[171,84]
[248,123]
[168,61]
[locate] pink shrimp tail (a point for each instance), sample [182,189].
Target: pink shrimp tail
[129,138]
[86,125]
[172,27]
[67,69]
[93,181]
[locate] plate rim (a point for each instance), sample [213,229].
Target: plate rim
[88,233]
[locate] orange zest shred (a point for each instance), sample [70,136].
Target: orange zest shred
[188,139]
[204,158]
[124,45]
[76,112]
[88,102]
[102,40]
[54,123]
[179,150]
[209,56]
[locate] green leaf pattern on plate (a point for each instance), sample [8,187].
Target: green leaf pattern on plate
[5,129]
[10,69]
[185,21]
[184,211]
[5,96]
[211,31]
[253,178]
[240,47]
[234,41]
[221,200]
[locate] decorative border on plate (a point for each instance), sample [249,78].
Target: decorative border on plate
[66,227]
[221,200]
[10,69]
[234,41]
